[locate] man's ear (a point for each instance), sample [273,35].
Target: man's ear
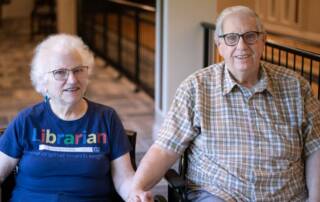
[216,41]
[218,44]
[264,37]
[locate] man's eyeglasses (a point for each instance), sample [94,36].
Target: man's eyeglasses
[63,74]
[232,39]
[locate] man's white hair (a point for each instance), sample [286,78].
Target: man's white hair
[56,44]
[235,9]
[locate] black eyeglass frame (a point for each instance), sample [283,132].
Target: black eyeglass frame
[241,36]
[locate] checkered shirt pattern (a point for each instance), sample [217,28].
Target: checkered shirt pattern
[244,144]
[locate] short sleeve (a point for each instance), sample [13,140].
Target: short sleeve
[119,142]
[311,129]
[10,141]
[177,131]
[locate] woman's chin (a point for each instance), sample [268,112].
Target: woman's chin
[70,101]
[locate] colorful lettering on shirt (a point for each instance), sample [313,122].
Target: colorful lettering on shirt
[47,137]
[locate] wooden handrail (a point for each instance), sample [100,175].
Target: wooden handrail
[134,5]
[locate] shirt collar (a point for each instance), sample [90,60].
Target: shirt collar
[264,83]
[228,81]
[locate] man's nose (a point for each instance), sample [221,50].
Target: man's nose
[242,44]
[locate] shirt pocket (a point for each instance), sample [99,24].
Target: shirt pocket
[284,141]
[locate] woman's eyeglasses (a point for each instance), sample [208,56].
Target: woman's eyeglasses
[232,39]
[63,74]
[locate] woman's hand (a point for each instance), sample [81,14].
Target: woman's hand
[140,196]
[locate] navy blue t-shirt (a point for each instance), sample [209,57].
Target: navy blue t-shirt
[64,160]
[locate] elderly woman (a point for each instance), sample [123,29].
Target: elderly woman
[67,147]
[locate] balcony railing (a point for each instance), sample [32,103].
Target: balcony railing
[304,62]
[123,34]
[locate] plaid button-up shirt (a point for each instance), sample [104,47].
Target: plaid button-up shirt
[245,144]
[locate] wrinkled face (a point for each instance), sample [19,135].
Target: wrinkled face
[66,87]
[242,57]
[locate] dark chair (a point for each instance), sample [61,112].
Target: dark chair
[43,18]
[8,185]
[177,184]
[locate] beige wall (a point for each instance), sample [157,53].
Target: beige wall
[182,44]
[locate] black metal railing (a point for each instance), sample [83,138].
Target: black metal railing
[123,34]
[208,45]
[304,62]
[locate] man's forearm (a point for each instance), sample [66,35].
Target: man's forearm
[153,167]
[313,176]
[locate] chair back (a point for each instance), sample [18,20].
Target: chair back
[9,183]
[183,164]
[132,136]
[177,183]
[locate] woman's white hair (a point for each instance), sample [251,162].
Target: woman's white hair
[56,44]
[235,9]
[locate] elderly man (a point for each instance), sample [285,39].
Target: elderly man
[252,128]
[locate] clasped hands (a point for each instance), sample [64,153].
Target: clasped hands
[140,196]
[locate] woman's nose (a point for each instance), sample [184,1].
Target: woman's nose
[71,77]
